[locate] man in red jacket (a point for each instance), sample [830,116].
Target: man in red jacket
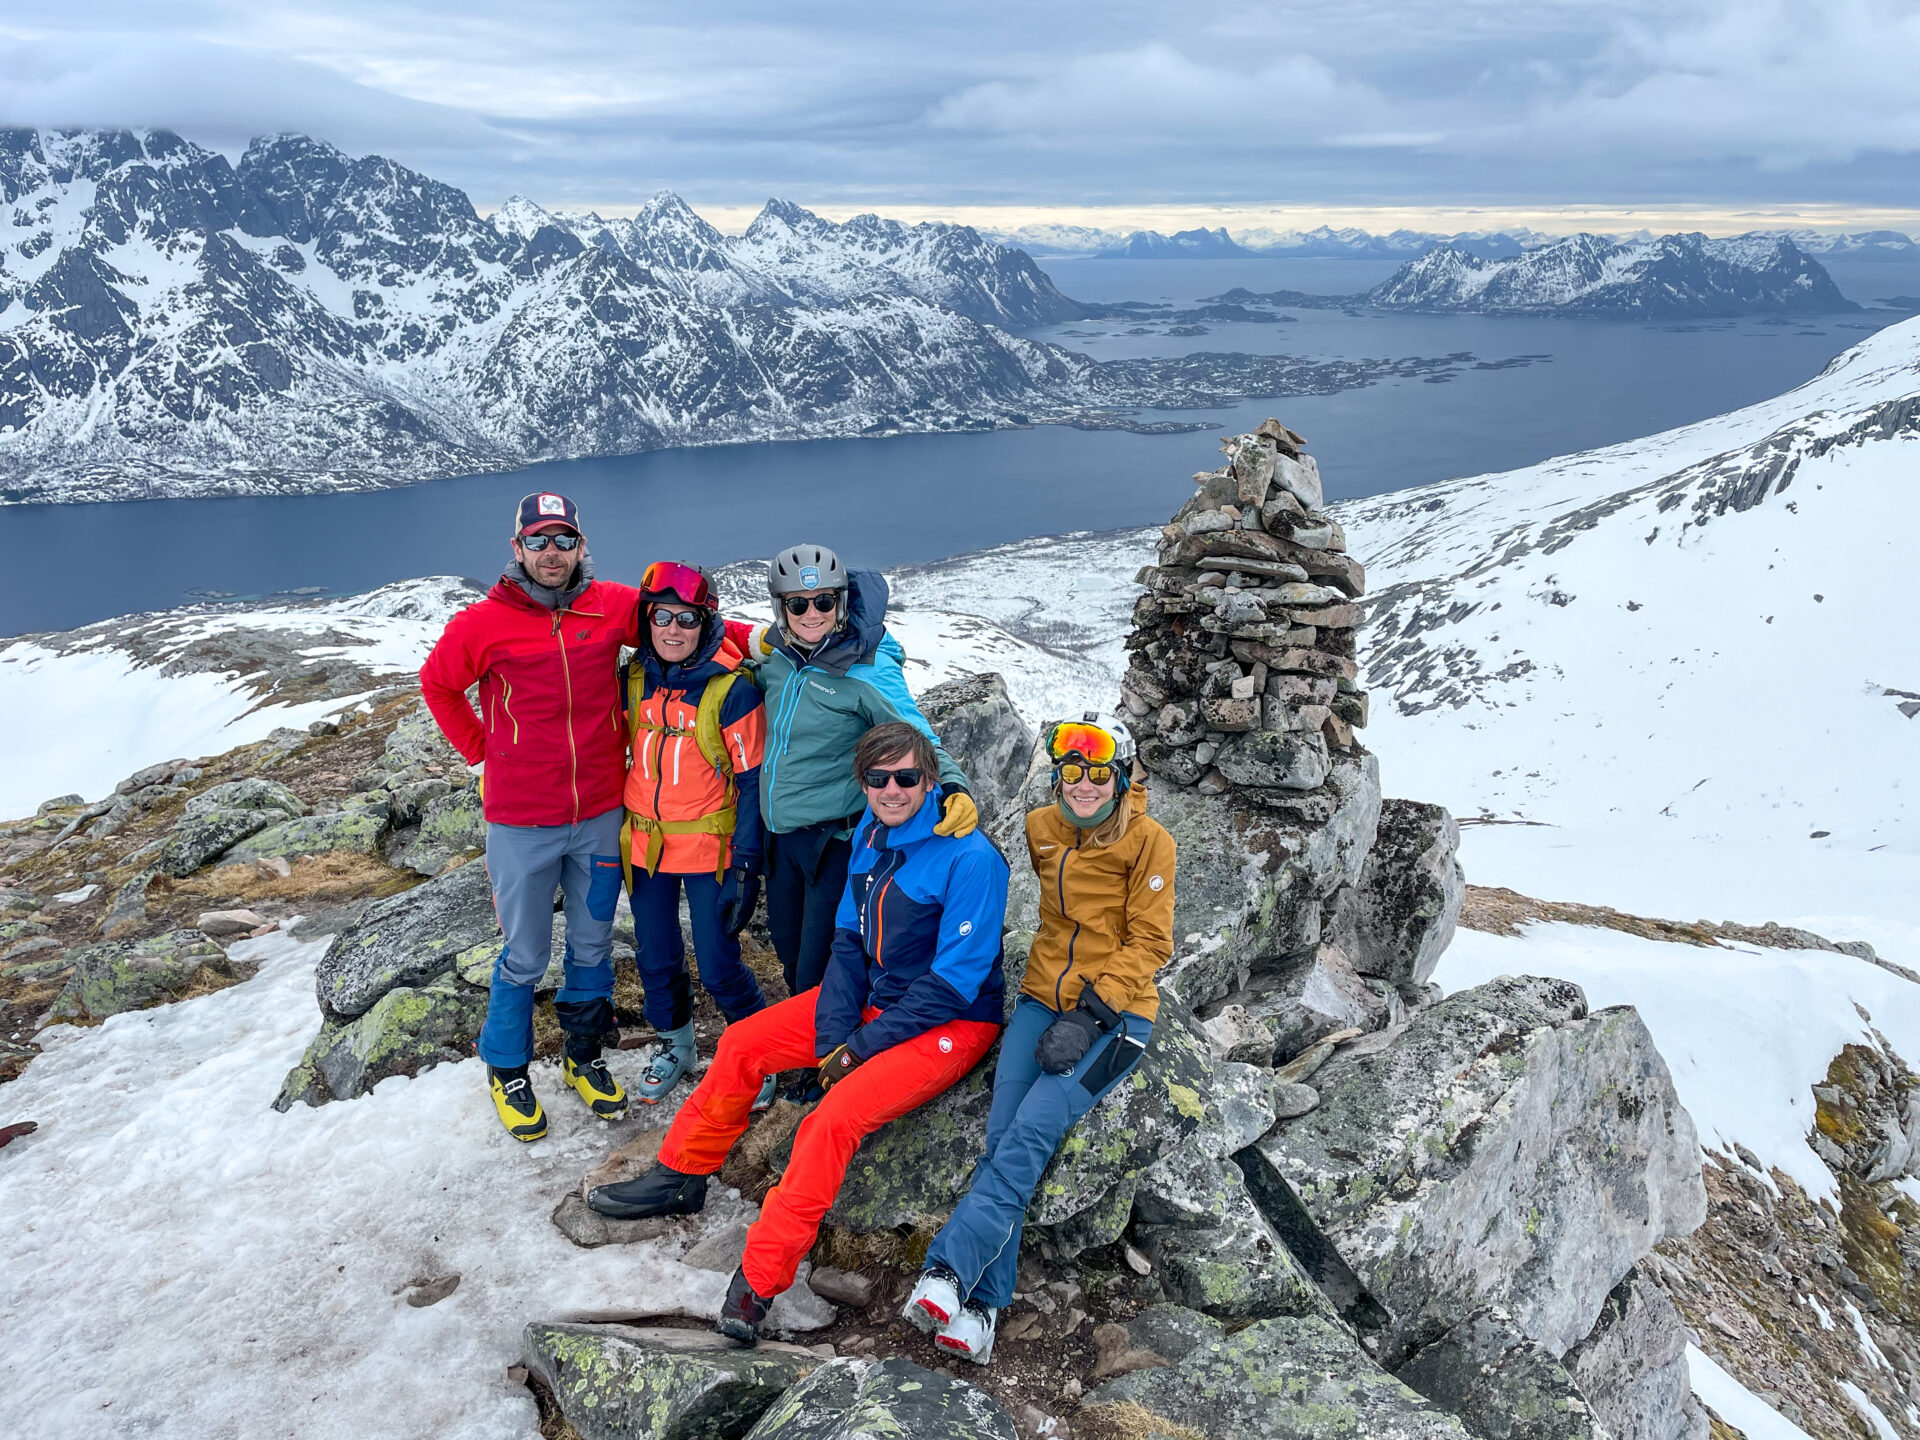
[543,648]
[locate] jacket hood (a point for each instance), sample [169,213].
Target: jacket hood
[697,668]
[919,828]
[861,634]
[515,577]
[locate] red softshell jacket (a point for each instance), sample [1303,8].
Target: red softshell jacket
[549,725]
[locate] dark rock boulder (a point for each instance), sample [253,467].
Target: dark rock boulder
[1502,1385]
[451,825]
[201,838]
[976,722]
[1397,919]
[869,1399]
[406,939]
[623,1382]
[1632,1366]
[1282,1379]
[255,792]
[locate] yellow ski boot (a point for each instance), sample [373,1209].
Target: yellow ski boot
[595,1084]
[519,1107]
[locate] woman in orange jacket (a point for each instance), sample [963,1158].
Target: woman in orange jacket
[696,727]
[1082,1022]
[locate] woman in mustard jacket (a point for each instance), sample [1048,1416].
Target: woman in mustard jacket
[1085,1013]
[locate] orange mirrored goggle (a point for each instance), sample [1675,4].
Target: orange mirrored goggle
[1089,742]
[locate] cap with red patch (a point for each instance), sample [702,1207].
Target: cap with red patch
[545,508]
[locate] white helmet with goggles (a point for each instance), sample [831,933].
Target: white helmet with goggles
[1097,741]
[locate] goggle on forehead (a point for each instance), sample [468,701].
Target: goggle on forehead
[1082,740]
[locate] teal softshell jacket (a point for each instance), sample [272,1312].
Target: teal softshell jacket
[819,706]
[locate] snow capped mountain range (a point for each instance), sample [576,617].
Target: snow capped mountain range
[1674,275]
[171,324]
[1352,243]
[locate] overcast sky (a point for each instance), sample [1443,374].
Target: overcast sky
[1037,110]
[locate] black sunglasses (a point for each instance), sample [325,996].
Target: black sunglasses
[797,604]
[906,779]
[685,619]
[537,543]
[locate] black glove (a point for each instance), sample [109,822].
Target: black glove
[739,893]
[837,1065]
[1065,1042]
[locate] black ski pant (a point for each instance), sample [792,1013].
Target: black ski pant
[806,874]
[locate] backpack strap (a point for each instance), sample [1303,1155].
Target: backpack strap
[712,744]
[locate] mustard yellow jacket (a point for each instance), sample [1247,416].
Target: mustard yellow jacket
[1106,911]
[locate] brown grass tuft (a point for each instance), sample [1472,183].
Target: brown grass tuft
[1126,1420]
[331,877]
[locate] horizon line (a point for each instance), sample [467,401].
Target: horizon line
[732,218]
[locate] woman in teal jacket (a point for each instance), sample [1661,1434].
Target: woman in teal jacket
[831,672]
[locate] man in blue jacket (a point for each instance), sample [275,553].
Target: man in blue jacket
[911,1001]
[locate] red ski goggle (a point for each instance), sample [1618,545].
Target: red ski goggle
[1089,742]
[684,582]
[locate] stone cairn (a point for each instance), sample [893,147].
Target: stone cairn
[1242,673]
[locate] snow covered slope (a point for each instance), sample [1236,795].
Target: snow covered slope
[1703,636]
[1674,275]
[83,708]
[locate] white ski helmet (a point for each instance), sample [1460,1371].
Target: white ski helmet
[806,567]
[1110,724]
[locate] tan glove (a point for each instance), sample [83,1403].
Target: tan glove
[959,816]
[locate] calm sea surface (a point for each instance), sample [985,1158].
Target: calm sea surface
[919,497]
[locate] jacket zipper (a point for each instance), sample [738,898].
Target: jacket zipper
[506,703]
[787,708]
[660,776]
[573,750]
[1060,883]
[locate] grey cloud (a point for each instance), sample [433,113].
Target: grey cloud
[1410,101]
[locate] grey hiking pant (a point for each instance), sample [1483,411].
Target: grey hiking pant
[528,865]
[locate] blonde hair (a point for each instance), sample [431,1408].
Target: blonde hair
[1132,800]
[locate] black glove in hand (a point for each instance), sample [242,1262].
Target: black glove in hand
[739,893]
[1064,1044]
[839,1063]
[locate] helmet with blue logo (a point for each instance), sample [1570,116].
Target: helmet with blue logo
[806,567]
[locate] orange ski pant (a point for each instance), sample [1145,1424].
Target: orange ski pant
[781,1037]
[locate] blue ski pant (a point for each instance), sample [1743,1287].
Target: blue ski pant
[528,865]
[1032,1112]
[661,953]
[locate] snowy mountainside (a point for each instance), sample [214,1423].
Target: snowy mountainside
[1672,276]
[1700,635]
[790,255]
[171,324]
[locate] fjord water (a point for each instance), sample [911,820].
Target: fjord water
[919,497]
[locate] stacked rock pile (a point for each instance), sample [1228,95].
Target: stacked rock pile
[1242,673]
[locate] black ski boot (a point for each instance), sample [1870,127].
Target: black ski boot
[661,1191]
[742,1311]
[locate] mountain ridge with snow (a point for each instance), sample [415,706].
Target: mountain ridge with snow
[175,325]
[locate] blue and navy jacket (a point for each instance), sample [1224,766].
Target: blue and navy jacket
[819,705]
[917,936]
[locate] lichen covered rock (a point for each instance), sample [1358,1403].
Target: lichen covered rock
[123,975]
[976,722]
[451,824]
[1501,1384]
[1507,1150]
[623,1382]
[912,1171]
[200,839]
[870,1399]
[1281,1379]
[406,1030]
[355,831]
[406,939]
